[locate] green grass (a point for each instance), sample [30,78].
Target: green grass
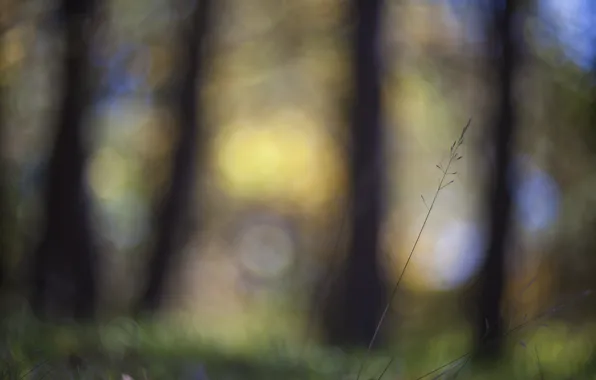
[166,350]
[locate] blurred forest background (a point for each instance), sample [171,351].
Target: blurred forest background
[259,171]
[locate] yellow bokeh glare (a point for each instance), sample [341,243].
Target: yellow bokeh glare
[287,157]
[108,174]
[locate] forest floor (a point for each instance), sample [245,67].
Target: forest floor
[173,350]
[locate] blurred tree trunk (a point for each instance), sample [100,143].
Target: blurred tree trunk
[3,175]
[174,217]
[503,53]
[64,277]
[593,71]
[360,296]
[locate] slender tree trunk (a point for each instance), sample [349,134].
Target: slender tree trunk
[489,324]
[592,116]
[64,262]
[3,177]
[362,293]
[174,217]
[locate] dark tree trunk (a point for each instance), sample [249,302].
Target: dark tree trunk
[3,178]
[489,323]
[173,221]
[593,71]
[64,263]
[362,294]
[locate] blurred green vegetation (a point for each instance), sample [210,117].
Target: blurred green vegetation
[166,349]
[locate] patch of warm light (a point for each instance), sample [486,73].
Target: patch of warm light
[14,45]
[108,174]
[420,110]
[286,157]
[399,247]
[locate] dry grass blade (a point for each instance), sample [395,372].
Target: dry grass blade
[385,369]
[35,368]
[453,156]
